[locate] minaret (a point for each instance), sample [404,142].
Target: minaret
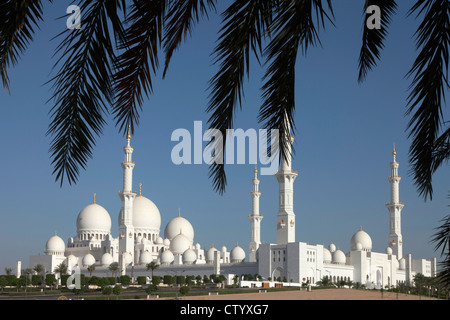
[126,229]
[286,216]
[255,219]
[395,208]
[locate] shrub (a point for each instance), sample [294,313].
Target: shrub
[151,288]
[156,280]
[36,279]
[184,290]
[168,279]
[125,280]
[142,280]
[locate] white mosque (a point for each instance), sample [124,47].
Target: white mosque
[140,242]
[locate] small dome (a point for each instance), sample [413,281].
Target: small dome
[224,249]
[94,218]
[389,250]
[159,240]
[127,258]
[179,244]
[189,256]
[326,255]
[197,246]
[237,254]
[107,259]
[146,215]
[71,260]
[55,246]
[166,242]
[339,257]
[88,260]
[363,238]
[166,257]
[332,247]
[210,255]
[145,258]
[175,225]
[402,264]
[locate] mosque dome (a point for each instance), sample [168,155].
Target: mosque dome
[237,254]
[71,260]
[210,254]
[88,260]
[339,257]
[146,215]
[94,218]
[175,225]
[189,256]
[179,244]
[389,250]
[332,247]
[55,246]
[402,264]
[363,238]
[224,249]
[326,255]
[127,258]
[166,257]
[107,259]
[159,240]
[166,242]
[145,258]
[197,246]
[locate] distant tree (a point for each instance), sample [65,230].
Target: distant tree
[64,278]
[190,280]
[107,291]
[152,266]
[103,282]
[125,280]
[141,280]
[168,279]
[156,280]
[184,290]
[198,279]
[206,279]
[113,267]
[91,269]
[36,279]
[151,288]
[3,281]
[8,271]
[39,269]
[325,281]
[117,290]
[181,280]
[50,279]
[61,269]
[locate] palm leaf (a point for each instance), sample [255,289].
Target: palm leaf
[373,40]
[244,27]
[182,16]
[19,18]
[427,90]
[82,88]
[295,27]
[138,60]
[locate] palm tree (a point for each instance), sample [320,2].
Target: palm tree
[113,267]
[61,269]
[152,266]
[8,271]
[39,269]
[105,69]
[91,269]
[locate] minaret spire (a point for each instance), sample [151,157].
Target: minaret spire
[286,177]
[255,218]
[395,208]
[127,196]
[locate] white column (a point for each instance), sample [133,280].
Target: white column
[395,208]
[255,219]
[127,196]
[286,215]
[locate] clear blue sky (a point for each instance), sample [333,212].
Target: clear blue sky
[343,142]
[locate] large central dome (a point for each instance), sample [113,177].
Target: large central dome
[94,218]
[177,225]
[146,216]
